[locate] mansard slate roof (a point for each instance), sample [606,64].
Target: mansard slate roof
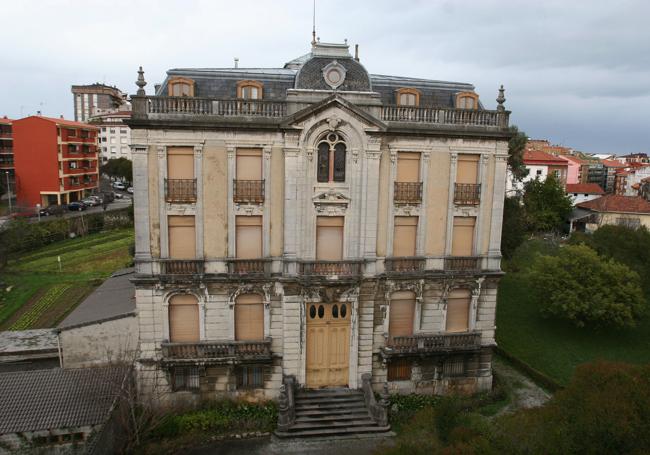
[57,398]
[305,72]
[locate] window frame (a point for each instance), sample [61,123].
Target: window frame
[241,85]
[243,376]
[187,372]
[177,81]
[331,158]
[407,91]
[464,95]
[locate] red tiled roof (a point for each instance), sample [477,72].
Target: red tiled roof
[574,159]
[615,203]
[613,163]
[64,122]
[584,188]
[5,120]
[537,156]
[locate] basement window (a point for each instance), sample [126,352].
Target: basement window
[185,378]
[454,367]
[399,370]
[249,377]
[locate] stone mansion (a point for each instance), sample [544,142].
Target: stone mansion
[319,223]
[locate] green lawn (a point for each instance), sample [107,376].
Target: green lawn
[553,347]
[41,296]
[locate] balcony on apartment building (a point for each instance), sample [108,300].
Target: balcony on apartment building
[180,190]
[467,193]
[218,351]
[462,263]
[249,267]
[407,192]
[274,111]
[432,344]
[408,264]
[6,162]
[331,269]
[251,191]
[6,150]
[181,268]
[80,136]
[6,133]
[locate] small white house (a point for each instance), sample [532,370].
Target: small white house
[583,192]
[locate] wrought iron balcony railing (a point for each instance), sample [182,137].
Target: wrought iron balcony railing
[462,263]
[348,268]
[467,193]
[404,264]
[248,191]
[432,343]
[185,267]
[408,192]
[180,190]
[226,351]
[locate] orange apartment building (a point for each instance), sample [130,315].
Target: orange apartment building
[7,173]
[56,160]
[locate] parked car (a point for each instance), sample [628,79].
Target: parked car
[98,198]
[118,195]
[76,206]
[129,190]
[53,210]
[119,186]
[91,201]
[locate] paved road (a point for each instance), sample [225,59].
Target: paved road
[274,446]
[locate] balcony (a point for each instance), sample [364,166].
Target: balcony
[218,351]
[6,150]
[248,267]
[432,344]
[462,263]
[248,191]
[407,192]
[6,134]
[181,267]
[6,164]
[467,193]
[180,190]
[445,116]
[218,107]
[404,264]
[349,268]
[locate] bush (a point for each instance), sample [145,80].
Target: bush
[604,410]
[581,287]
[514,226]
[547,205]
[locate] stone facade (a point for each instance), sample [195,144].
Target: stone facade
[290,278]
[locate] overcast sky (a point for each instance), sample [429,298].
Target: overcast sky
[575,72]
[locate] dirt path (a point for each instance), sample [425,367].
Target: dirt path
[525,393]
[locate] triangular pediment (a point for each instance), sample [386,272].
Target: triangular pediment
[337,102]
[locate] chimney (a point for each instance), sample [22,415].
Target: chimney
[38,113]
[61,117]
[236,62]
[156,87]
[356,52]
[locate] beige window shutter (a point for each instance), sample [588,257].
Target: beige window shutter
[184,319]
[467,169]
[182,237]
[402,310]
[249,318]
[462,243]
[248,237]
[329,238]
[405,235]
[408,167]
[180,163]
[249,164]
[458,304]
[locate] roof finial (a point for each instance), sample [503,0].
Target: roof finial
[141,83]
[501,99]
[313,26]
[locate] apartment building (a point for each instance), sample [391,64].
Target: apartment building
[7,168]
[56,160]
[316,226]
[114,135]
[95,99]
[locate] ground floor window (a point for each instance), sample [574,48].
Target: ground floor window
[250,377]
[453,367]
[399,370]
[185,378]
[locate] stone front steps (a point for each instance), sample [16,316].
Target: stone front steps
[329,413]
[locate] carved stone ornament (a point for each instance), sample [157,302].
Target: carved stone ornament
[333,123]
[417,287]
[264,290]
[331,202]
[334,74]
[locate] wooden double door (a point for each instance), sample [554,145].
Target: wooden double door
[328,344]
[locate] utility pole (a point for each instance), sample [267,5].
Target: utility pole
[8,190]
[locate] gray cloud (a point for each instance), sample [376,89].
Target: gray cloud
[575,72]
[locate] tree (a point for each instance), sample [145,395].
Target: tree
[547,205]
[581,287]
[514,226]
[516,146]
[119,168]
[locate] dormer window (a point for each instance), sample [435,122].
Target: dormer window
[467,100]
[408,97]
[250,90]
[180,86]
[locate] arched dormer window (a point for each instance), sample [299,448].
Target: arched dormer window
[331,158]
[467,100]
[408,97]
[180,86]
[250,90]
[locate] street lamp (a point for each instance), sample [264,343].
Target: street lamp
[38,210]
[8,190]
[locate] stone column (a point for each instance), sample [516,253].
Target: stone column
[494,251]
[141,208]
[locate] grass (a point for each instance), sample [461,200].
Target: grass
[556,348]
[41,296]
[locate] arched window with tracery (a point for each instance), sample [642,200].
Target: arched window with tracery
[331,158]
